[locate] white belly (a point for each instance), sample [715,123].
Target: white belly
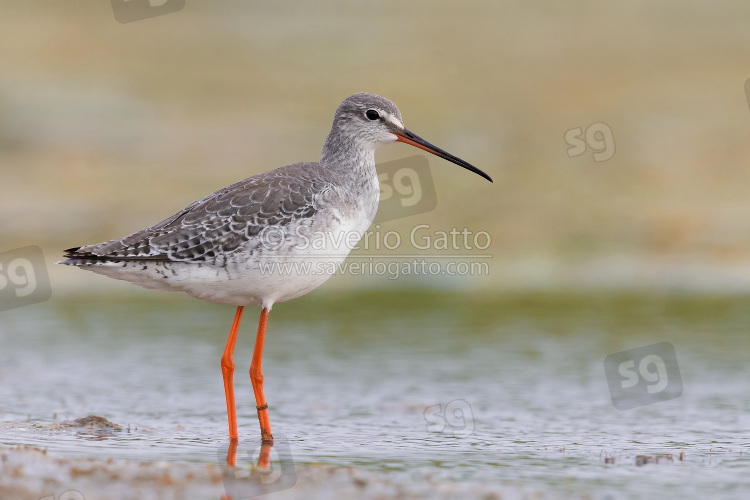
[276,271]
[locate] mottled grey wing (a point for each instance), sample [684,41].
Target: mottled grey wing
[213,227]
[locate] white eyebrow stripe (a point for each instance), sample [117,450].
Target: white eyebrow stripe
[393,120]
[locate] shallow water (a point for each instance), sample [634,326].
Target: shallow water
[349,378]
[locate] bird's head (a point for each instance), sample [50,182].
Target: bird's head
[369,121]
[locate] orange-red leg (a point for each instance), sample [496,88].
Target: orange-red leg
[232,453]
[227,369]
[256,377]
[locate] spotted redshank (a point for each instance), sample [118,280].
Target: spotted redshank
[216,248]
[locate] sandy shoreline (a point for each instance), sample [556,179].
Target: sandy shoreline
[32,473]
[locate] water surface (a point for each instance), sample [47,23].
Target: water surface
[349,377]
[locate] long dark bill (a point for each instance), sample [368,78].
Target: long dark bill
[414,140]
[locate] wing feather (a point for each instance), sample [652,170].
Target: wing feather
[221,223]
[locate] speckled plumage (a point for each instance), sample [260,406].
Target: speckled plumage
[214,248]
[224,225]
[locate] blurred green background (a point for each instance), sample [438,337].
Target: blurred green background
[106,128]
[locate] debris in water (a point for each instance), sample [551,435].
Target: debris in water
[653,459]
[92,423]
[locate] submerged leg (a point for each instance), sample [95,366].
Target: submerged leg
[232,454]
[227,369]
[256,377]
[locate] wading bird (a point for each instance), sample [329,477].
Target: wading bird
[215,249]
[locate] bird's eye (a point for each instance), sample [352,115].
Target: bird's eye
[372,114]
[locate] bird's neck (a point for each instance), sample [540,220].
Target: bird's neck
[354,164]
[348,157]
